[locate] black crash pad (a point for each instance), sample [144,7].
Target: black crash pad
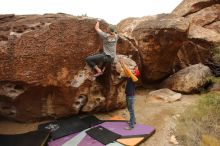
[91,120]
[64,127]
[103,135]
[33,138]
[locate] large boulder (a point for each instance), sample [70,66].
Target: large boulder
[187,7]
[188,80]
[158,39]
[125,27]
[215,26]
[205,16]
[169,43]
[43,71]
[203,35]
[198,48]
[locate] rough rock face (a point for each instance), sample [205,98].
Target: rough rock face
[126,26]
[43,71]
[189,79]
[168,43]
[206,16]
[187,7]
[198,47]
[158,39]
[203,35]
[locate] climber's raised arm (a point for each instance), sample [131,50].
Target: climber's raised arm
[97,27]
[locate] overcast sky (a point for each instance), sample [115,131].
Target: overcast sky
[111,10]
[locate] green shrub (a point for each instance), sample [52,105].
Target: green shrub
[213,79]
[216,53]
[199,120]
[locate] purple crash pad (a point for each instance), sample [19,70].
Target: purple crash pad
[60,141]
[118,127]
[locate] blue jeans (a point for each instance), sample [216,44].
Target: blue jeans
[130,106]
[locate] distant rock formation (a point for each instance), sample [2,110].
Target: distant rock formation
[170,42]
[43,71]
[204,32]
[158,39]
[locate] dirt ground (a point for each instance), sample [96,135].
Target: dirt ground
[149,111]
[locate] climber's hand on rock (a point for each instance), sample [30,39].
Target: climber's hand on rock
[99,19]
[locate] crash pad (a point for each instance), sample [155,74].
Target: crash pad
[61,141]
[103,135]
[138,130]
[33,138]
[86,137]
[91,120]
[130,141]
[64,127]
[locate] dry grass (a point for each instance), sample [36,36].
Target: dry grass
[200,124]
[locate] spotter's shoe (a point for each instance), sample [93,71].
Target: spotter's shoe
[128,128]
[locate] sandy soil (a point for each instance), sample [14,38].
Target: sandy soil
[154,112]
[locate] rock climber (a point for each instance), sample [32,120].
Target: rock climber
[109,38]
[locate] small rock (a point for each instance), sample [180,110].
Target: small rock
[166,94]
[173,140]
